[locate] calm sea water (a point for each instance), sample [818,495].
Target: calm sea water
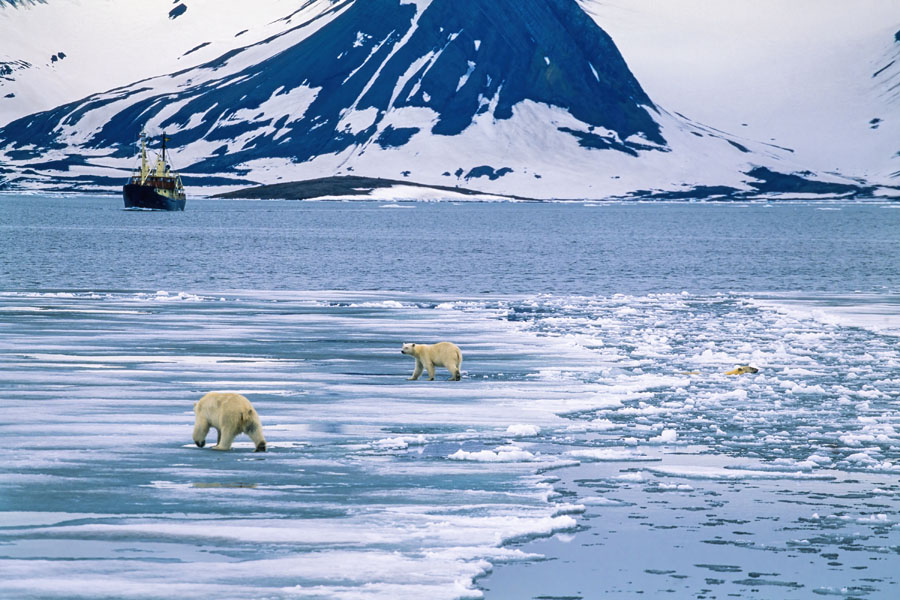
[594,448]
[91,243]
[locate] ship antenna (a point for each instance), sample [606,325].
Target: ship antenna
[164,149]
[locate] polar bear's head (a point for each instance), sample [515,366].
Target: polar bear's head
[408,349]
[201,426]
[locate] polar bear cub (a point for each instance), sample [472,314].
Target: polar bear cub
[429,356]
[229,414]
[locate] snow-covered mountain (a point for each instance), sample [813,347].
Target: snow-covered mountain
[45,61]
[525,97]
[821,77]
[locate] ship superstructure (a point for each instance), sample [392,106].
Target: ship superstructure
[156,187]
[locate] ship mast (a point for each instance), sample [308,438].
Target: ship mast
[145,168]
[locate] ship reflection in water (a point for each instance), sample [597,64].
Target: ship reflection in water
[158,188]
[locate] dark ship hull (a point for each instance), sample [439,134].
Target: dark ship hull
[146,196]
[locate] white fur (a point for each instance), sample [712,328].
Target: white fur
[442,354]
[229,414]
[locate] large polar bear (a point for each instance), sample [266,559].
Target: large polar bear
[442,354]
[229,414]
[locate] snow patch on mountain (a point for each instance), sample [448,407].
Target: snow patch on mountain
[110,43]
[796,74]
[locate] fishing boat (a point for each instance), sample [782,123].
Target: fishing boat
[156,188]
